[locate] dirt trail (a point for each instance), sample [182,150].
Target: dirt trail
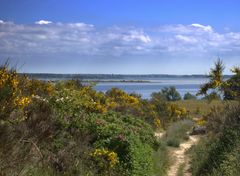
[159,134]
[179,157]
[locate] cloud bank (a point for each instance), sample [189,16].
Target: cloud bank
[45,37]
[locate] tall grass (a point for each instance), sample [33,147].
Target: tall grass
[161,160]
[219,152]
[177,132]
[180,171]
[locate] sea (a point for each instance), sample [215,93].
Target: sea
[147,87]
[143,85]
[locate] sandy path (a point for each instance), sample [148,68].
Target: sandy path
[179,157]
[159,134]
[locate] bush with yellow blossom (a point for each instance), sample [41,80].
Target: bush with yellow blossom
[13,96]
[105,158]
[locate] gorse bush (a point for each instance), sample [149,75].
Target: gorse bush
[167,111]
[70,129]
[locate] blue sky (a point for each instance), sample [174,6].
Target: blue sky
[119,36]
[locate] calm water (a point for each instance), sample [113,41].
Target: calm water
[148,84]
[183,85]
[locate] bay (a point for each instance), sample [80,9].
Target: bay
[148,86]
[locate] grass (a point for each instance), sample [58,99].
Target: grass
[180,171]
[177,132]
[161,160]
[197,108]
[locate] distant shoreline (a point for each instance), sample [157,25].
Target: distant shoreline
[115,81]
[117,77]
[112,78]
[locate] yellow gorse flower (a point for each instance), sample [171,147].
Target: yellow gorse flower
[111,156]
[23,101]
[157,122]
[201,122]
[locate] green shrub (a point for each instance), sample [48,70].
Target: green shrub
[199,153]
[130,138]
[219,153]
[161,159]
[71,129]
[189,96]
[170,93]
[173,142]
[177,132]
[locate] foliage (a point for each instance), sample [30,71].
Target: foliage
[167,112]
[219,153]
[189,96]
[232,86]
[176,111]
[215,78]
[161,159]
[201,122]
[70,129]
[199,108]
[212,96]
[229,88]
[170,93]
[11,97]
[180,171]
[177,132]
[105,160]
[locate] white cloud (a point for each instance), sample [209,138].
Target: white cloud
[202,27]
[86,39]
[187,39]
[42,22]
[137,35]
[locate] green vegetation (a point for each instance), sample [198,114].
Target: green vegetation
[180,171]
[189,96]
[229,88]
[68,128]
[177,132]
[161,159]
[170,94]
[199,108]
[218,152]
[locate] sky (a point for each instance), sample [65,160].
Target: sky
[119,36]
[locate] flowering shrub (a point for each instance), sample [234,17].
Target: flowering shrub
[65,122]
[12,95]
[201,122]
[119,100]
[176,111]
[105,156]
[157,122]
[69,102]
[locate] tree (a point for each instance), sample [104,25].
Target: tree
[232,86]
[212,96]
[189,96]
[215,79]
[230,89]
[170,93]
